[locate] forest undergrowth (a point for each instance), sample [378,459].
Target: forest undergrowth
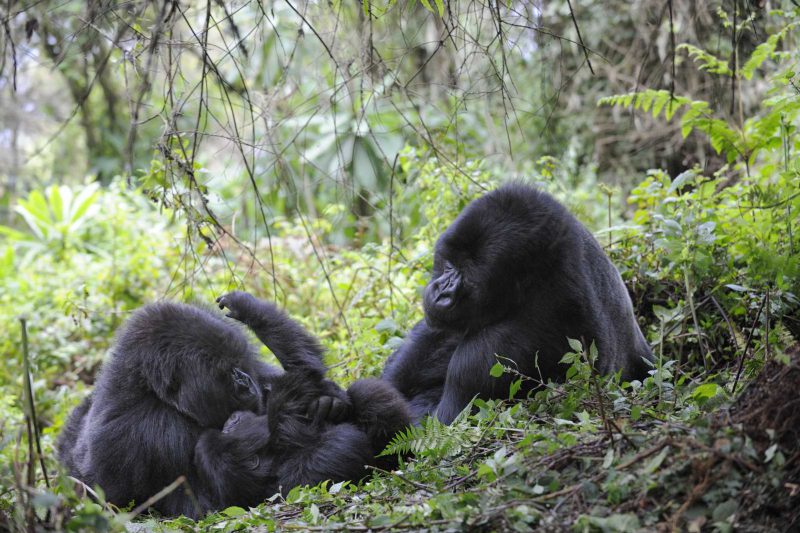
[711,258]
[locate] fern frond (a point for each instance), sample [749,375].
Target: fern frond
[430,438]
[708,62]
[764,51]
[648,100]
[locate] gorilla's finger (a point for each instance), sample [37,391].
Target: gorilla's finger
[320,409]
[338,411]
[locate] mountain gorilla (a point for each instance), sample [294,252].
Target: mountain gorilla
[184,393]
[514,276]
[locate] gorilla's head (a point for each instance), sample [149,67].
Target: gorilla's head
[489,258]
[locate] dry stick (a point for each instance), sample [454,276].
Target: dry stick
[645,454]
[766,327]
[31,416]
[391,235]
[672,43]
[727,321]
[747,345]
[690,297]
[156,497]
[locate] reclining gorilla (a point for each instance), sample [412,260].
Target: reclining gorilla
[184,393]
[515,276]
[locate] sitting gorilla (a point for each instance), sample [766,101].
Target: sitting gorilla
[179,374]
[514,276]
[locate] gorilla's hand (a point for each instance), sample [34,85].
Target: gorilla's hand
[328,409]
[241,306]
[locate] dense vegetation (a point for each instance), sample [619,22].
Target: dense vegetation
[235,145]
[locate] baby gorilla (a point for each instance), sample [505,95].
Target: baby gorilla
[257,455]
[180,373]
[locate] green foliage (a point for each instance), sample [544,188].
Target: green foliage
[711,260]
[706,60]
[56,219]
[431,438]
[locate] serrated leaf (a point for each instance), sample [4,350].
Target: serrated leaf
[575,345]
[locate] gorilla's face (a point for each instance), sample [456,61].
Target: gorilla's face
[210,398]
[481,262]
[466,290]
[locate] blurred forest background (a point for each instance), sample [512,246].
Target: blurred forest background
[312,152]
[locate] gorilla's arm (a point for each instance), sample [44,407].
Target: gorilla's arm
[468,373]
[418,368]
[337,453]
[293,346]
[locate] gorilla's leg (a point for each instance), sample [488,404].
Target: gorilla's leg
[339,454]
[69,453]
[380,411]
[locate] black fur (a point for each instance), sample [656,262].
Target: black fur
[515,275]
[177,376]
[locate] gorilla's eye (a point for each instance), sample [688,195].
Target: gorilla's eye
[253,462]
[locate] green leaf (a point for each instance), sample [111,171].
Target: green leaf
[575,345]
[656,461]
[387,325]
[427,5]
[496,371]
[764,51]
[724,510]
[85,200]
[706,391]
[57,203]
[234,511]
[737,288]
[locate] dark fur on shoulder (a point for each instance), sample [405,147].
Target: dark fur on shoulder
[515,275]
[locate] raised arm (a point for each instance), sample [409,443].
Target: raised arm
[294,347]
